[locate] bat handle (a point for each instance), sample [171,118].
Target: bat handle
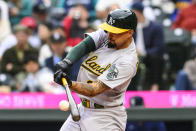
[64,81]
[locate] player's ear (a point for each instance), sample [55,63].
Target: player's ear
[131,32]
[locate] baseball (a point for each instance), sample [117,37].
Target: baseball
[64,105]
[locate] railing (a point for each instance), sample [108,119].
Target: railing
[55,115]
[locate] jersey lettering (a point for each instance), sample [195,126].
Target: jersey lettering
[93,67]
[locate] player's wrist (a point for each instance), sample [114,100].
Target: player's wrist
[64,65]
[70,84]
[67,61]
[69,81]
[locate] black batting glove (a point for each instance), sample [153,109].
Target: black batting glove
[62,69]
[63,65]
[59,74]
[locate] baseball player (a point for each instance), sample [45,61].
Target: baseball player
[104,75]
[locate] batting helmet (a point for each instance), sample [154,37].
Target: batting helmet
[119,21]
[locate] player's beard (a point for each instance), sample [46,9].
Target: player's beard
[110,45]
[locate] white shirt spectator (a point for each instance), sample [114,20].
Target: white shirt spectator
[44,53]
[4,20]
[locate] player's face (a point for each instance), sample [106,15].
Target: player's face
[121,40]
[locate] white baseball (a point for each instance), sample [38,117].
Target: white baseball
[64,105]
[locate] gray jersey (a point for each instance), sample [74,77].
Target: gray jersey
[115,68]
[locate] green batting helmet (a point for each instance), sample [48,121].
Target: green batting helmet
[119,21]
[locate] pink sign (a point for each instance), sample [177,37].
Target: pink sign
[32,100]
[164,99]
[161,99]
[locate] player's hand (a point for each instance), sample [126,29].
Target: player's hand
[59,74]
[63,65]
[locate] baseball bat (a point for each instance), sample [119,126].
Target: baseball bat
[73,106]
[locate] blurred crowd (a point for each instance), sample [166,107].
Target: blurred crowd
[36,34]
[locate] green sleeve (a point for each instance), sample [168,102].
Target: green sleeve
[84,47]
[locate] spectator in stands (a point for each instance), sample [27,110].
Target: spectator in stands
[194,41]
[88,4]
[37,79]
[19,9]
[12,60]
[150,47]
[179,5]
[149,7]
[138,102]
[6,83]
[93,26]
[44,32]
[103,8]
[40,13]
[11,39]
[59,29]
[184,20]
[186,78]
[4,21]
[75,24]
[52,3]
[58,46]
[56,16]
[31,24]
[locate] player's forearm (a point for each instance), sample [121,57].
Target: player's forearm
[88,89]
